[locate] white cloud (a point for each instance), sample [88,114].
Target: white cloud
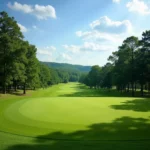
[63,58]
[93,46]
[99,36]
[105,24]
[116,1]
[46,50]
[104,35]
[22,28]
[72,48]
[138,6]
[66,56]
[41,12]
[20,7]
[89,47]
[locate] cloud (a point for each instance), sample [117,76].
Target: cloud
[46,50]
[51,48]
[63,57]
[93,46]
[104,32]
[105,24]
[98,36]
[22,28]
[104,35]
[20,7]
[41,12]
[88,47]
[138,6]
[116,1]
[72,48]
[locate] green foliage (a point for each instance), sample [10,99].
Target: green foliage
[130,67]
[9,34]
[63,74]
[70,67]
[98,77]
[44,75]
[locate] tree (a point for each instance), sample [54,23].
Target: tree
[44,75]
[132,45]
[9,33]
[82,78]
[18,69]
[31,68]
[143,60]
[94,76]
[106,76]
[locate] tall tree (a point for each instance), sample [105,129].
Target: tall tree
[143,60]
[132,45]
[18,69]
[9,33]
[31,67]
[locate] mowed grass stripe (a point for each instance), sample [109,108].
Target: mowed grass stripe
[82,113]
[55,116]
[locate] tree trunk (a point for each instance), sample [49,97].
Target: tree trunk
[124,88]
[128,87]
[4,89]
[4,81]
[132,82]
[121,88]
[24,88]
[142,84]
[135,87]
[15,88]
[132,86]
[9,89]
[142,93]
[15,85]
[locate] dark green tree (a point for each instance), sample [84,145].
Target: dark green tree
[9,33]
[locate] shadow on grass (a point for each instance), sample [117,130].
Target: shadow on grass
[84,91]
[141,105]
[12,92]
[121,134]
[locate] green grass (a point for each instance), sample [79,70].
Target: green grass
[72,116]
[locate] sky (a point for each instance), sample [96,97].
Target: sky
[84,32]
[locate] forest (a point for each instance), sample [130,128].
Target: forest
[128,68]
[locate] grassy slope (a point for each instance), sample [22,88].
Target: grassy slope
[98,119]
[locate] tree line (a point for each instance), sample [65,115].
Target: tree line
[128,68]
[19,67]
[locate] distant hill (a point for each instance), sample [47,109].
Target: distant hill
[66,66]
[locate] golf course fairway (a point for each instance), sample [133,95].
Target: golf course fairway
[73,113]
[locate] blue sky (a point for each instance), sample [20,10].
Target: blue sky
[82,32]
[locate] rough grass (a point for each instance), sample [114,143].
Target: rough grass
[71,116]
